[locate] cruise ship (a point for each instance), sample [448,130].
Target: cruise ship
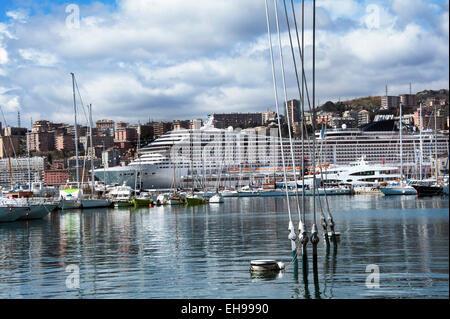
[234,157]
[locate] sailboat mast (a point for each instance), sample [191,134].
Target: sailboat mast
[92,149]
[435,144]
[420,140]
[401,144]
[76,131]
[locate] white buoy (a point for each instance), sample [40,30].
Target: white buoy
[265,265]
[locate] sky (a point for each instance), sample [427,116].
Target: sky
[140,60]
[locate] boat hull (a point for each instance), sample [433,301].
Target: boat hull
[11,214]
[141,202]
[195,201]
[423,190]
[70,204]
[388,191]
[123,203]
[95,203]
[39,211]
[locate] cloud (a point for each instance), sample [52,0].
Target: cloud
[184,59]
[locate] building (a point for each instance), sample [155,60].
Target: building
[408,100]
[196,124]
[41,141]
[390,102]
[363,117]
[238,119]
[64,142]
[23,171]
[9,146]
[101,141]
[56,177]
[122,125]
[105,126]
[268,116]
[324,117]
[162,128]
[293,109]
[15,131]
[124,134]
[179,125]
[342,122]
[110,158]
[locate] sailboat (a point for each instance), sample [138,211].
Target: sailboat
[92,201]
[430,187]
[400,187]
[71,197]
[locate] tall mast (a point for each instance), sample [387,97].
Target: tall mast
[76,131]
[401,144]
[420,141]
[92,149]
[435,144]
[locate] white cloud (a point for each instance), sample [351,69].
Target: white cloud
[183,59]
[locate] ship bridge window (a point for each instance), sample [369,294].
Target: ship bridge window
[366,173]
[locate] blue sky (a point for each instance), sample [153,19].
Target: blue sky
[179,59]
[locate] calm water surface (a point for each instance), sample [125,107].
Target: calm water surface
[204,251]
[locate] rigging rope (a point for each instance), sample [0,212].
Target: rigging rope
[292,236]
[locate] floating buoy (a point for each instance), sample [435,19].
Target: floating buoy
[266,265]
[150,205]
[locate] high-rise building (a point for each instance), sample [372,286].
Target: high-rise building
[238,119]
[389,102]
[363,117]
[293,108]
[408,100]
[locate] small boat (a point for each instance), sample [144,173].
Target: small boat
[70,198]
[121,195]
[142,201]
[397,189]
[229,193]
[193,200]
[176,200]
[95,203]
[69,203]
[216,199]
[428,190]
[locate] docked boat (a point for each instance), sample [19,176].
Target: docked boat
[40,209]
[428,190]
[142,200]
[176,200]
[12,209]
[195,200]
[95,203]
[121,195]
[229,193]
[216,199]
[398,189]
[70,198]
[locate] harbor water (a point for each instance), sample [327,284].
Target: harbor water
[205,251]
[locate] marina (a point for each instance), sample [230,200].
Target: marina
[204,251]
[304,200]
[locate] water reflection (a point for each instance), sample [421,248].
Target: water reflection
[204,251]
